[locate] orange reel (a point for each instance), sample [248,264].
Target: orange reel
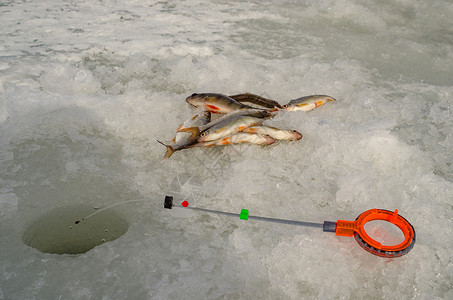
[356,229]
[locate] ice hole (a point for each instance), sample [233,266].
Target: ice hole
[58,232]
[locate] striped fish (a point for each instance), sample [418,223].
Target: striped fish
[307,103]
[278,134]
[183,138]
[238,138]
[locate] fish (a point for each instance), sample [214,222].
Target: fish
[257,100]
[228,127]
[237,138]
[257,113]
[307,103]
[216,103]
[184,138]
[278,134]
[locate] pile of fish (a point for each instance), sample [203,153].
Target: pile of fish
[237,122]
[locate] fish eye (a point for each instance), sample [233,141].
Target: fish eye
[285,106]
[203,134]
[294,130]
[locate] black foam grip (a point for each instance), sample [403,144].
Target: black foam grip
[168,203]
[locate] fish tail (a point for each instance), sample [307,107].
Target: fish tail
[169,152]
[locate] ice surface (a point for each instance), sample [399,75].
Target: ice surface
[87,87]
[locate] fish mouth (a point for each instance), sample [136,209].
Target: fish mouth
[297,136]
[191,102]
[201,139]
[192,99]
[268,140]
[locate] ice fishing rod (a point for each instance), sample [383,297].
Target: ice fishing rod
[340,227]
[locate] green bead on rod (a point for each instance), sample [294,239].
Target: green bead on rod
[244,214]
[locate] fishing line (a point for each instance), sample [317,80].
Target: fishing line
[107,207]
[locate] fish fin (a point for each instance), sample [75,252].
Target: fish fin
[180,127]
[250,130]
[170,150]
[225,141]
[193,130]
[212,108]
[319,103]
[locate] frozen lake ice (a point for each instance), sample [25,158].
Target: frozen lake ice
[86,89]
